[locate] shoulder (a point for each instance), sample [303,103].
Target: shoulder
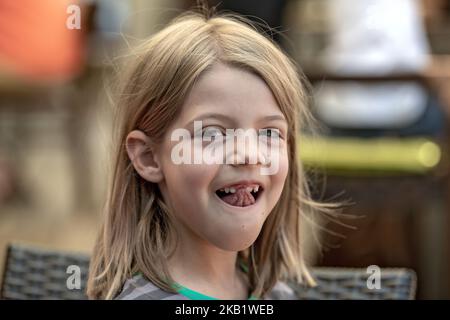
[281,291]
[139,288]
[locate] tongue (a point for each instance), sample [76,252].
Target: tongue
[241,198]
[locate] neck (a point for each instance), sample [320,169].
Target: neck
[203,267]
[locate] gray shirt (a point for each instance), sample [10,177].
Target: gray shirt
[139,288]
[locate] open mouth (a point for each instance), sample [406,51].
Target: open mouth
[240,195]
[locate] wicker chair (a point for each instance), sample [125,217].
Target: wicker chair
[35,273]
[351,284]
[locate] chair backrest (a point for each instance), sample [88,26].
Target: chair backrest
[359,284]
[36,273]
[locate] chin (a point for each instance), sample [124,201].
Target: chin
[237,240]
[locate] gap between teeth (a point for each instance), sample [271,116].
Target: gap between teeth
[233,190]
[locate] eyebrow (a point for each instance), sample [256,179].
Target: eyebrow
[274,117]
[226,118]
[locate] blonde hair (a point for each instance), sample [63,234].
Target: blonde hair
[137,234]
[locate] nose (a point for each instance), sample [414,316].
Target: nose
[245,150]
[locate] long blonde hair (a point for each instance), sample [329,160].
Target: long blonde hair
[137,233]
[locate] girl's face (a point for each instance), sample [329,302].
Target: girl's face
[225,204]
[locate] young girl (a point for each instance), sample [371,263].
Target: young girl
[202,230]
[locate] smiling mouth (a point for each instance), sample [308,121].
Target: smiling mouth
[240,195]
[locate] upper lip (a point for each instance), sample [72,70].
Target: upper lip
[243,183]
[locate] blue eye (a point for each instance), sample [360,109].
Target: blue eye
[209,132]
[270,133]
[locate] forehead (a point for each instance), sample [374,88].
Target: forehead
[240,94]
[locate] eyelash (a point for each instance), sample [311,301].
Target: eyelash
[278,132]
[223,130]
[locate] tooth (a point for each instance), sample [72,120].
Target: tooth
[232,190]
[249,189]
[256,189]
[227,190]
[222,190]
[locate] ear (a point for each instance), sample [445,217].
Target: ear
[142,157]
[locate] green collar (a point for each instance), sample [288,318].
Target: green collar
[195,295]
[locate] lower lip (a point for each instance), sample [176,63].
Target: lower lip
[236,208]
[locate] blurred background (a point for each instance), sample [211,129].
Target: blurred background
[380,75]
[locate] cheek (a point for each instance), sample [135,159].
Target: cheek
[187,184]
[185,171]
[185,179]
[279,178]
[284,167]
